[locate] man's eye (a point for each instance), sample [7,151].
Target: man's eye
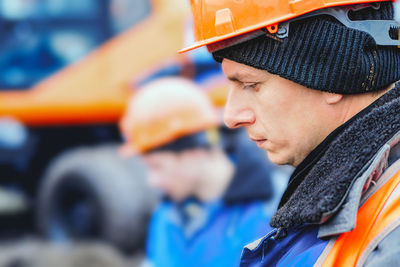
[247,86]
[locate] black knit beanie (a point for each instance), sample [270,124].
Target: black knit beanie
[321,53]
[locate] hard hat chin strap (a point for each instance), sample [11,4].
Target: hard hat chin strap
[378,29]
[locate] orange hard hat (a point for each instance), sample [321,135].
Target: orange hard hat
[218,20]
[164,110]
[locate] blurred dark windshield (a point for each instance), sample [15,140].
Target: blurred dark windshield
[39,37]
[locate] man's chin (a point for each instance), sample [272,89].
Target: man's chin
[278,159]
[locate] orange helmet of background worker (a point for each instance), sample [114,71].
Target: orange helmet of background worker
[222,23]
[164,110]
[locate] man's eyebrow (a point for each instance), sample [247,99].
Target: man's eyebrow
[233,79]
[236,77]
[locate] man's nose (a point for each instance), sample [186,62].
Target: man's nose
[236,114]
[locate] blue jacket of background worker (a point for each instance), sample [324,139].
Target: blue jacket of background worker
[213,234]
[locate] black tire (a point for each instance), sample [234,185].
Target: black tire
[94,194]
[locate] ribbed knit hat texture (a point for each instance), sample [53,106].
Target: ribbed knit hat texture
[321,53]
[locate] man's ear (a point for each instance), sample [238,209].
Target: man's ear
[332,98]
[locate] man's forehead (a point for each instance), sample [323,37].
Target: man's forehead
[235,71]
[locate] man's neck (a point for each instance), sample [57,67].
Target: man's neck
[353,104]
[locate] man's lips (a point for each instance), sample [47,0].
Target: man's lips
[259,141]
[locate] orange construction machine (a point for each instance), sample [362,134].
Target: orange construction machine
[67,73]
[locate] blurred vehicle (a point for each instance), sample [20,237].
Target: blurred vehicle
[68,69]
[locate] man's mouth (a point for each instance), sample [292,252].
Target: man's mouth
[258,141]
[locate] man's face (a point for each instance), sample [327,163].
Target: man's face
[173,173]
[282,117]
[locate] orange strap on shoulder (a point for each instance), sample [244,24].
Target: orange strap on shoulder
[372,218]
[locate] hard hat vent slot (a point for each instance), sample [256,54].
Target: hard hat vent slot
[224,23]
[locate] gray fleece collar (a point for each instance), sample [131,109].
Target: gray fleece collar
[326,186]
[376,175]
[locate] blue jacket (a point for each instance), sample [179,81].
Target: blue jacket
[214,234]
[215,238]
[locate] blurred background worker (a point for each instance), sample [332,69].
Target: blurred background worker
[68,70]
[218,193]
